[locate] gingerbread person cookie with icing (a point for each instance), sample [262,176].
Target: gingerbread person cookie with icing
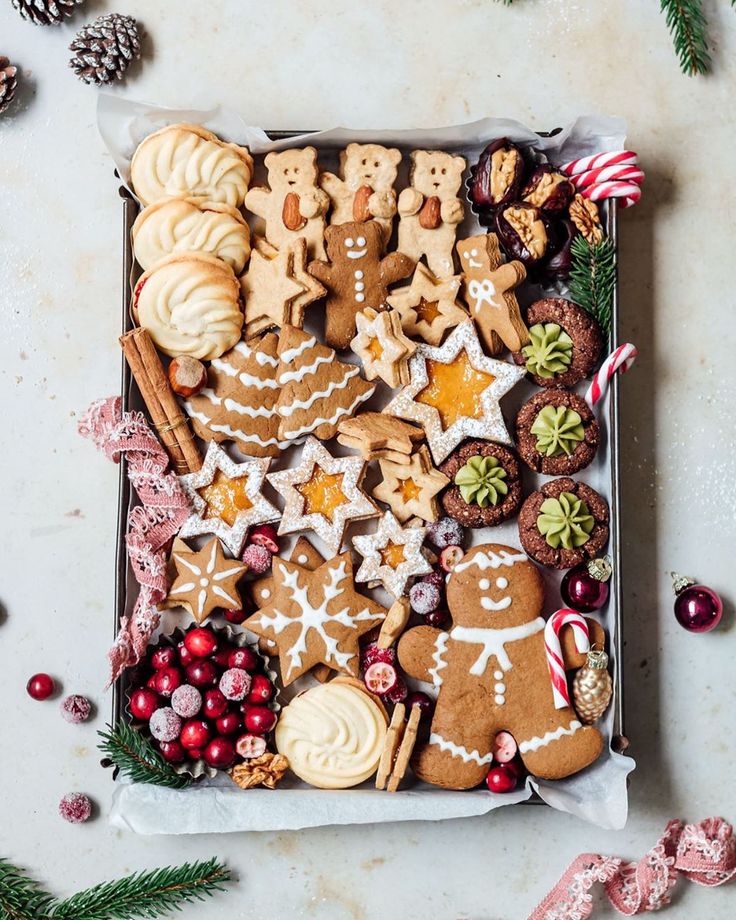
[492,672]
[489,292]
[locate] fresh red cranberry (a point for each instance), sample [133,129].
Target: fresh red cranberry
[220,753]
[235,616]
[214,704]
[265,535]
[172,751]
[259,719]
[194,753]
[201,642]
[261,690]
[185,656]
[230,723]
[222,656]
[202,673]
[164,657]
[151,682]
[244,658]
[40,686]
[167,680]
[143,703]
[423,701]
[501,778]
[195,733]
[439,619]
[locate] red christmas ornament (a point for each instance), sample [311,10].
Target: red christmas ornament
[697,607]
[585,588]
[40,687]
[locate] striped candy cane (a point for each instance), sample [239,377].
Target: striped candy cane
[611,158]
[621,360]
[608,174]
[553,650]
[628,192]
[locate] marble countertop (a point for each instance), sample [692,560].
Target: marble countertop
[371,64]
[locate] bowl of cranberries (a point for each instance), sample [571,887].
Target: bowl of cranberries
[205,698]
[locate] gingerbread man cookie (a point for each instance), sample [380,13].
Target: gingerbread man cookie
[356,277]
[294,206]
[492,673]
[430,210]
[489,292]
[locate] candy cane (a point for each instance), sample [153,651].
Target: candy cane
[621,360]
[607,174]
[611,158]
[553,650]
[628,192]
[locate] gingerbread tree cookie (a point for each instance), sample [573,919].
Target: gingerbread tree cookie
[392,554]
[411,489]
[239,403]
[428,306]
[206,581]
[316,390]
[489,292]
[356,276]
[315,617]
[382,346]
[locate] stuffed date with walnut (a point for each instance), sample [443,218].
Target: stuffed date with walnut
[498,175]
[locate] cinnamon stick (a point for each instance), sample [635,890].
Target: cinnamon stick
[169,421]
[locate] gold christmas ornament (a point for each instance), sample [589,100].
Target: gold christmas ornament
[592,688]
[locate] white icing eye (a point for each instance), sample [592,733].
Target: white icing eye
[265,593]
[502,583]
[349,242]
[473,252]
[484,584]
[466,254]
[360,241]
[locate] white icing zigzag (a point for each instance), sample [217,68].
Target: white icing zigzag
[457,750]
[533,744]
[440,647]
[491,560]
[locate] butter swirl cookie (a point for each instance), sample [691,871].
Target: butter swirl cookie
[332,735]
[190,305]
[191,225]
[185,160]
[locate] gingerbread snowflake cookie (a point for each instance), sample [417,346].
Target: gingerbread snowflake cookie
[382,346]
[486,484]
[391,555]
[556,433]
[206,580]
[428,306]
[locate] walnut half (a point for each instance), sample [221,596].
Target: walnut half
[529,228]
[586,217]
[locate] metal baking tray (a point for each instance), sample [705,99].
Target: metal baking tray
[131,399]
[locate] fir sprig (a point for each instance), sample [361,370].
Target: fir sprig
[689,29]
[21,897]
[593,278]
[145,894]
[134,756]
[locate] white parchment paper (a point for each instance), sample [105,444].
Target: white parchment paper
[598,794]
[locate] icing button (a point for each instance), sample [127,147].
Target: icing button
[498,675]
[500,700]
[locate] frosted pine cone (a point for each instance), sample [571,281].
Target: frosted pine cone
[8,83]
[46,12]
[105,49]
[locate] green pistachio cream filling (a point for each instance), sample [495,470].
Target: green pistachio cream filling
[549,352]
[481,481]
[559,430]
[565,522]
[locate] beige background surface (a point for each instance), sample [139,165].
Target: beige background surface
[289,64]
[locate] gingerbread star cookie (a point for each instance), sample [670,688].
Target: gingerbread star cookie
[382,346]
[410,489]
[392,554]
[323,493]
[428,306]
[455,391]
[315,617]
[227,498]
[206,580]
[488,287]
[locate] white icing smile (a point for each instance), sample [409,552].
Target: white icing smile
[357,253]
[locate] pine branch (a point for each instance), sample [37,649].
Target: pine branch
[592,278]
[21,898]
[689,29]
[145,894]
[134,756]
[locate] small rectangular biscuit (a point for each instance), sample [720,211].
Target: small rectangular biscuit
[395,622]
[406,748]
[391,745]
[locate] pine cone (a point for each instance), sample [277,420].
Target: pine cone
[8,83]
[105,49]
[46,12]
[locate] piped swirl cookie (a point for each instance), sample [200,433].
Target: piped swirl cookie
[190,305]
[186,160]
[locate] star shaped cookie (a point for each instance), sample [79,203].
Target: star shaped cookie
[454,392]
[315,617]
[206,580]
[428,306]
[227,498]
[323,494]
[382,346]
[392,554]
[409,489]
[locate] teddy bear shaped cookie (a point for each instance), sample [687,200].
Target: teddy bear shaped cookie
[430,211]
[365,188]
[356,277]
[492,673]
[294,205]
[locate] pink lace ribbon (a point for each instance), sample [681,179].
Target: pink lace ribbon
[163,509]
[704,853]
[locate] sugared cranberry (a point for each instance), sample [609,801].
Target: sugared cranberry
[265,535]
[164,657]
[244,658]
[143,703]
[220,753]
[76,808]
[423,701]
[195,733]
[424,597]
[434,578]
[165,724]
[235,684]
[202,673]
[439,619]
[185,656]
[372,653]
[214,704]
[186,701]
[259,719]
[445,532]
[261,690]
[248,746]
[75,709]
[257,558]
[399,692]
[201,642]
[167,680]
[235,616]
[40,686]
[172,751]
[501,778]
[230,723]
